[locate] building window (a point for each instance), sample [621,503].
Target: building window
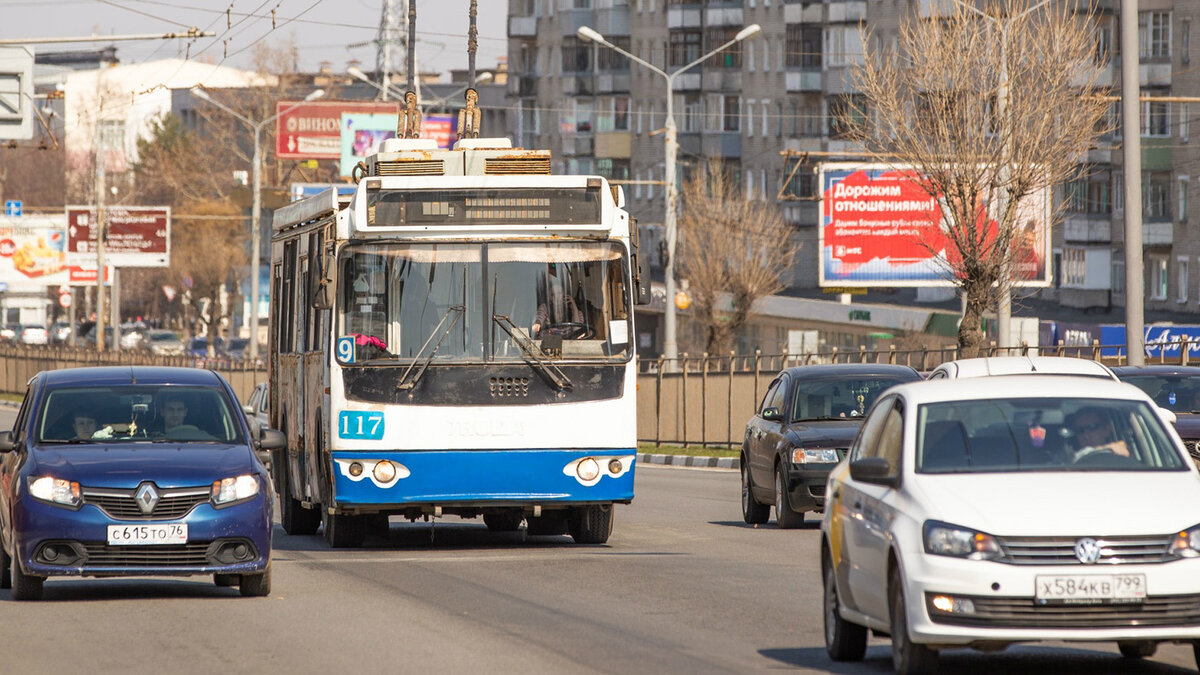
[732,113]
[845,112]
[576,57]
[611,59]
[843,45]
[750,105]
[1183,121]
[1118,273]
[1154,35]
[1118,191]
[1089,194]
[1074,267]
[1156,116]
[731,57]
[1181,268]
[613,169]
[1156,196]
[684,47]
[1185,41]
[766,105]
[1181,203]
[1158,278]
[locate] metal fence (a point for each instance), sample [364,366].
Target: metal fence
[693,400]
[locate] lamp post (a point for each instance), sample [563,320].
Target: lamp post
[670,345]
[255,216]
[1004,301]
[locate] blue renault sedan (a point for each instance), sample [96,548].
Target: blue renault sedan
[134,471]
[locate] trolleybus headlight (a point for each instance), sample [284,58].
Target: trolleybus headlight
[356,469]
[385,471]
[587,469]
[615,466]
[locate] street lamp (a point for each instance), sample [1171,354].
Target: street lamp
[670,346]
[255,216]
[1004,302]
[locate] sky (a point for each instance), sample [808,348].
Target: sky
[325,30]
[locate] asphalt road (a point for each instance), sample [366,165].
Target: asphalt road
[683,586]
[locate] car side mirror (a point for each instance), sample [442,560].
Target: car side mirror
[772,414]
[323,295]
[271,439]
[6,442]
[1168,415]
[876,470]
[248,409]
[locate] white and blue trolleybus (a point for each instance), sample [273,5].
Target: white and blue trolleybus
[455,338]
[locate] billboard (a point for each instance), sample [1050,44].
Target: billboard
[361,136]
[33,252]
[1160,340]
[138,236]
[443,128]
[878,227]
[313,130]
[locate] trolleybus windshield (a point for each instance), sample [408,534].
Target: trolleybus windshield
[475,302]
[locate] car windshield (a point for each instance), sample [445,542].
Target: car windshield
[164,337]
[138,413]
[838,397]
[1043,434]
[1177,393]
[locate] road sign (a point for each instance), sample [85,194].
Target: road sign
[16,93]
[138,236]
[64,300]
[12,207]
[314,130]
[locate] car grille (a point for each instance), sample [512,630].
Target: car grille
[1061,550]
[122,504]
[181,555]
[1193,448]
[1163,610]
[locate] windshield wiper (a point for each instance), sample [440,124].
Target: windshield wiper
[439,333]
[529,352]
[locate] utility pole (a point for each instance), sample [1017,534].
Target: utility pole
[1135,320]
[101,188]
[387,42]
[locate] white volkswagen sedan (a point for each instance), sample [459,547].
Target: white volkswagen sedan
[989,511]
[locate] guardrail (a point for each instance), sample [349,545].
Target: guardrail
[700,400]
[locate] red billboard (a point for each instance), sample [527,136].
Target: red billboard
[313,130]
[138,236]
[878,227]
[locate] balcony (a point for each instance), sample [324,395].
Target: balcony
[847,12]
[1158,233]
[522,26]
[689,81]
[683,17]
[723,79]
[724,144]
[1087,228]
[614,144]
[804,80]
[607,83]
[613,22]
[723,16]
[570,20]
[574,144]
[527,85]
[583,85]
[807,12]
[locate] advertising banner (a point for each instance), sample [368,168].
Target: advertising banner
[313,130]
[880,228]
[362,135]
[442,127]
[1161,340]
[138,236]
[33,252]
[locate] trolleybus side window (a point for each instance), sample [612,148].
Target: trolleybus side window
[287,299]
[303,309]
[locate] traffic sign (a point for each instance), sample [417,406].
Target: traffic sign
[65,300]
[138,236]
[12,207]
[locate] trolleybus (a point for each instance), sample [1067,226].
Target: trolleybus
[455,338]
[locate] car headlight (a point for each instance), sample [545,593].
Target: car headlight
[959,542]
[803,456]
[229,490]
[1186,544]
[56,491]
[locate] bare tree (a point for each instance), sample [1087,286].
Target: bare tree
[733,251]
[987,108]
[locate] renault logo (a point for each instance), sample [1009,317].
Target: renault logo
[147,498]
[1087,550]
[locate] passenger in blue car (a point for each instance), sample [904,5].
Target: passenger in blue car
[84,424]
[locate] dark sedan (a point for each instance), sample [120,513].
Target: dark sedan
[134,471]
[1176,388]
[803,426]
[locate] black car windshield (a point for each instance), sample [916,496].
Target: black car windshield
[1177,393]
[838,397]
[1043,434]
[138,413]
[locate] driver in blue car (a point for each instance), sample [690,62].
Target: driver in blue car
[558,310]
[1094,432]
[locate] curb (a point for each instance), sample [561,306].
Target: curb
[691,461]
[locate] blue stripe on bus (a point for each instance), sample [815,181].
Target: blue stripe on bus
[521,476]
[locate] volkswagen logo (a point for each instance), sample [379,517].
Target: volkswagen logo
[147,498]
[1087,550]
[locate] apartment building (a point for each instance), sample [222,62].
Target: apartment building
[781,90]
